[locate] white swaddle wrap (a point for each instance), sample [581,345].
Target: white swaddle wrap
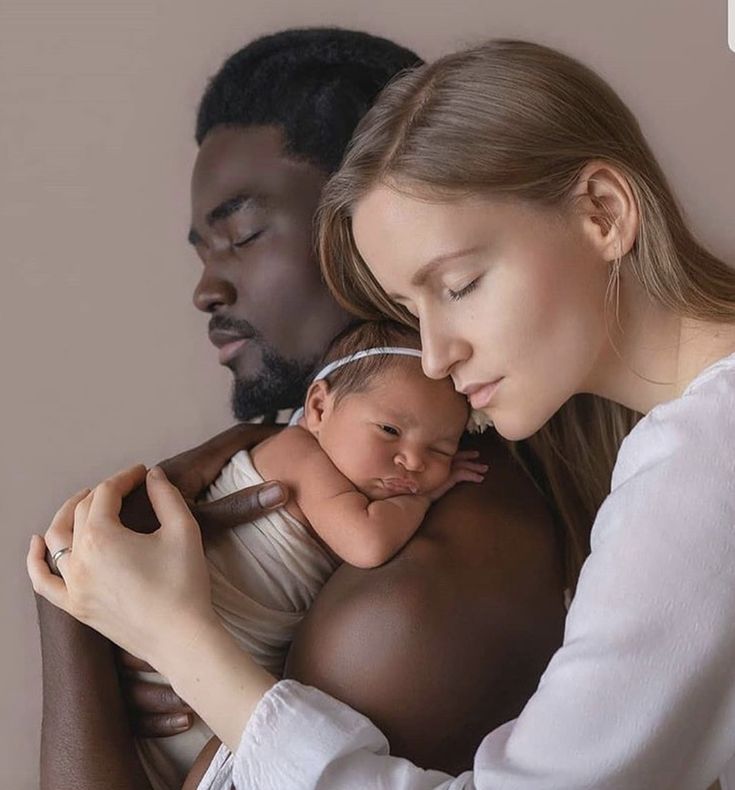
[265,576]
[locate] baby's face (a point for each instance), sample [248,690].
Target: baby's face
[397,437]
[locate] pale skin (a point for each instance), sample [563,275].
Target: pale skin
[526,310]
[362,470]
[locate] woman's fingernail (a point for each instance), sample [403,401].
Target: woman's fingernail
[156,471]
[180,722]
[272,495]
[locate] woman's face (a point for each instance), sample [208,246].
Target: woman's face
[510,297]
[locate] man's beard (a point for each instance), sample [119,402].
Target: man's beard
[280,384]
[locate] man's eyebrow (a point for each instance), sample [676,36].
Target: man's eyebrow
[226,209]
[425,271]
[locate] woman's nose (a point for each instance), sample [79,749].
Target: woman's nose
[213,290]
[438,349]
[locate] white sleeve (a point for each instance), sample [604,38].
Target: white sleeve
[641,696]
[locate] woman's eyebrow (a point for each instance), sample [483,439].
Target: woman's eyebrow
[425,271]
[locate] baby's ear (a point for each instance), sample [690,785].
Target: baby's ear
[316,405]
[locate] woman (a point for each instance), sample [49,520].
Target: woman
[506,199]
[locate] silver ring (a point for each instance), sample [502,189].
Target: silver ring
[57,555]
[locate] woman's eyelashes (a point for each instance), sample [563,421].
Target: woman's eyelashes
[243,242]
[462,292]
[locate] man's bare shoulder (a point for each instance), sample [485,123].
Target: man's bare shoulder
[463,620]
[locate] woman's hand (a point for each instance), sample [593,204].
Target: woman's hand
[465,468]
[147,593]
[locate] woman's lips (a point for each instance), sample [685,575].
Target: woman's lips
[230,350]
[481,396]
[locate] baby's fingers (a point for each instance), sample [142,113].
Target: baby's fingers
[461,455]
[467,476]
[473,466]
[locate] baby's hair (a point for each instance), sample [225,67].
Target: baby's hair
[357,376]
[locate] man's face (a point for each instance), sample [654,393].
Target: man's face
[252,212]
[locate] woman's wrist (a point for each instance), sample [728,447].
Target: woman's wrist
[214,675]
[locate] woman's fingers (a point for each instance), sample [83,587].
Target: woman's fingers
[242,506]
[108,495]
[45,583]
[168,503]
[59,534]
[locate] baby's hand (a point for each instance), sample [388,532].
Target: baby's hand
[464,469]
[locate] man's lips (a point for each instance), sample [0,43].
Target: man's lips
[228,343]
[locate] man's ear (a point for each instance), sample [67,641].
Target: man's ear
[317,405]
[608,209]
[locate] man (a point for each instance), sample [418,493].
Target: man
[464,620]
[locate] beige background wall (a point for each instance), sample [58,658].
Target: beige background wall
[104,360]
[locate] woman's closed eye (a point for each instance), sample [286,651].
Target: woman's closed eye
[462,292]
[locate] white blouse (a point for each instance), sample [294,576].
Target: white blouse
[641,695]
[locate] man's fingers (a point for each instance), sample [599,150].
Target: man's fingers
[194,470]
[108,495]
[162,725]
[242,506]
[148,698]
[45,583]
[128,661]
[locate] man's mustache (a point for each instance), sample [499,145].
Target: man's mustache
[221,323]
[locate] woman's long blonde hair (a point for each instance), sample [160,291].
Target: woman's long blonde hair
[511,118]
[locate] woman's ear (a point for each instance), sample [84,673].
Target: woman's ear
[608,209]
[317,405]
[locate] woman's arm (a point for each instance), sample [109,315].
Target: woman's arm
[86,740]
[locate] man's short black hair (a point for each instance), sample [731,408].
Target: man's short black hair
[314,83]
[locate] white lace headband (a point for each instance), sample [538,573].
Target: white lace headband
[476,423]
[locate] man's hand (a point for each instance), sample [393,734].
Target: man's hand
[193,471]
[155,710]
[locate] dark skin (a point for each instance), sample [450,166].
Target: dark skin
[439,645]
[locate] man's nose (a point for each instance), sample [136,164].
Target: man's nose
[213,290]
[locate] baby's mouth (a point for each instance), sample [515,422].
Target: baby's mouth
[401,485]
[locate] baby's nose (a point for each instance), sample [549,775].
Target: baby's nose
[410,461]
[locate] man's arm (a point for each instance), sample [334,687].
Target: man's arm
[86,742]
[448,639]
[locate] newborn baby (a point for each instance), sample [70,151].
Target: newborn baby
[375,444]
